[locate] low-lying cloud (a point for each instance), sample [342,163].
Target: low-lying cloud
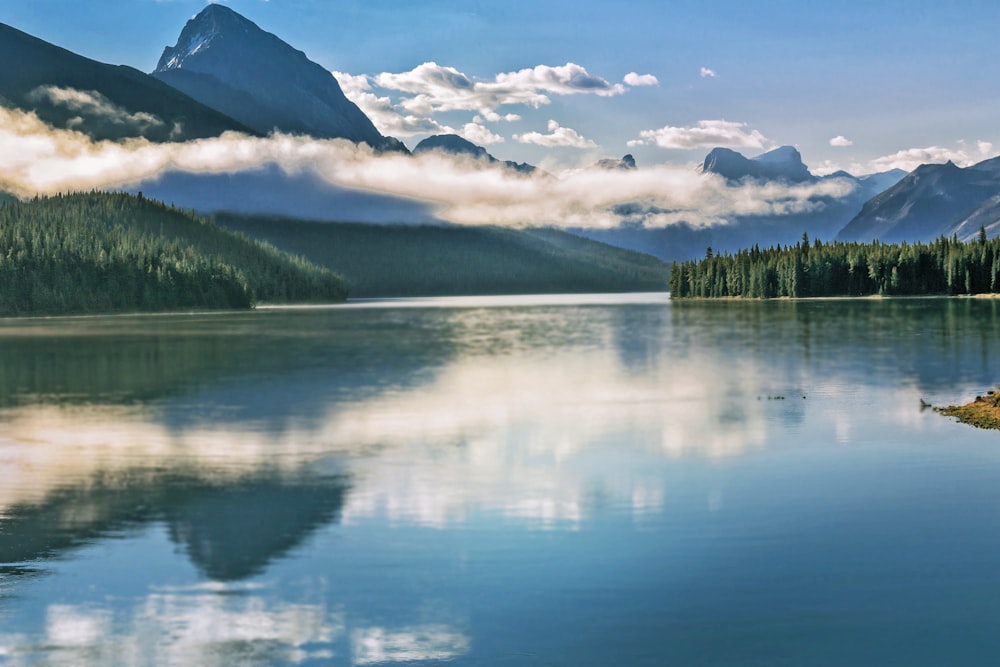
[38,159]
[90,104]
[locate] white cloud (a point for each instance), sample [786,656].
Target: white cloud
[558,137]
[707,73]
[431,88]
[827,167]
[911,158]
[478,134]
[705,134]
[35,158]
[636,79]
[95,105]
[383,113]
[840,141]
[490,116]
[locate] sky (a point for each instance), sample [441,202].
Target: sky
[860,86]
[863,86]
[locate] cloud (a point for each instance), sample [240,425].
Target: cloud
[491,116]
[705,134]
[707,73]
[635,79]
[827,167]
[430,88]
[383,113]
[911,158]
[558,137]
[35,158]
[94,105]
[840,141]
[478,134]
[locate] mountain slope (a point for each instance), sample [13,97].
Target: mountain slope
[452,144]
[103,252]
[431,260]
[933,200]
[67,90]
[227,62]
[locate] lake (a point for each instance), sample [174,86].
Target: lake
[557,481]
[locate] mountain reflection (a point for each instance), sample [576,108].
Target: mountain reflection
[230,530]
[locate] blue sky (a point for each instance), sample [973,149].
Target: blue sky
[897,82]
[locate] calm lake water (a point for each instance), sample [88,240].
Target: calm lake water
[557,481]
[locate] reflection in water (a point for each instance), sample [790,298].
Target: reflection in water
[222,627]
[494,408]
[373,646]
[247,438]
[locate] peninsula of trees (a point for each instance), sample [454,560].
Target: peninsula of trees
[946,266]
[114,252]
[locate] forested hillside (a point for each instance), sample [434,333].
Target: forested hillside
[104,252]
[946,266]
[426,260]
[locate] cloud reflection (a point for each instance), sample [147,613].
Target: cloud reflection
[180,629]
[519,436]
[378,645]
[221,627]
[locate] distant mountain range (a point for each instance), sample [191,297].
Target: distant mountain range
[452,144]
[933,200]
[227,74]
[781,165]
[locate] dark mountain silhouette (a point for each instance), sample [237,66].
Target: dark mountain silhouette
[227,62]
[452,144]
[781,164]
[69,91]
[626,163]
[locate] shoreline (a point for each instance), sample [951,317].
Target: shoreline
[867,297]
[982,412]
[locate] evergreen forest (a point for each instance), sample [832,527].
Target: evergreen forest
[114,252]
[946,266]
[440,260]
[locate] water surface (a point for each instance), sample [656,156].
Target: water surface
[587,480]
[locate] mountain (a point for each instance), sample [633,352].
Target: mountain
[933,200]
[452,144]
[626,163]
[228,63]
[432,260]
[781,164]
[112,252]
[270,190]
[104,101]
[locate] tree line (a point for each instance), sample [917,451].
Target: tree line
[108,252]
[945,266]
